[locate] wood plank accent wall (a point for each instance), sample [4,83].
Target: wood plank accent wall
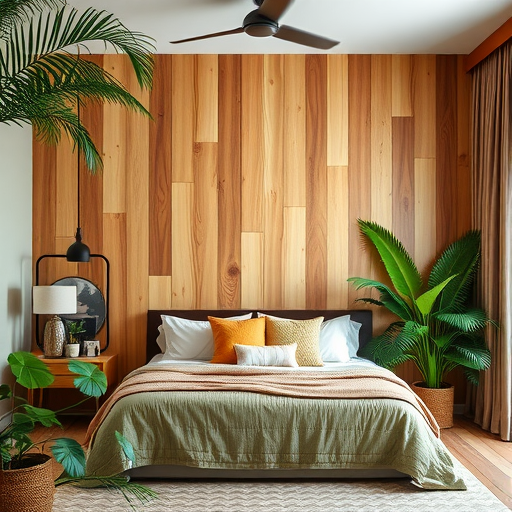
[244,189]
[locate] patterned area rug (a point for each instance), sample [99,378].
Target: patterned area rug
[287,496]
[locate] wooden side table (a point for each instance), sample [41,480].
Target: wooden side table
[64,378]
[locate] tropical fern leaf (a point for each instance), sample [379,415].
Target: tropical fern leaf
[471,320]
[401,269]
[461,258]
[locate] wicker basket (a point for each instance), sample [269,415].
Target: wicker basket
[29,489]
[439,401]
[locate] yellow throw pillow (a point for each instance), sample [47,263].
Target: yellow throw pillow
[306,333]
[228,333]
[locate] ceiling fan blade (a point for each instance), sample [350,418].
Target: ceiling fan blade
[274,9]
[207,36]
[306,38]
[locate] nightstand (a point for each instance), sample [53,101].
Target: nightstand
[64,378]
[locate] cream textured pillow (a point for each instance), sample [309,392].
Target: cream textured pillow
[305,333]
[277,355]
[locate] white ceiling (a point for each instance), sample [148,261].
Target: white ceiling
[361,26]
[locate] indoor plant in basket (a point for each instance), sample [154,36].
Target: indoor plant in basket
[26,473]
[438,328]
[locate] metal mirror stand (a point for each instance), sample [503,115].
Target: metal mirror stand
[107,295]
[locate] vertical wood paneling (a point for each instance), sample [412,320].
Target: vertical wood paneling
[207,98]
[137,229]
[114,155]
[160,177]
[273,89]
[229,182]
[252,142]
[424,100]
[302,147]
[403,181]
[337,237]
[446,144]
[183,281]
[66,193]
[402,85]
[359,170]
[337,110]
[294,143]
[205,224]
[115,246]
[424,207]
[252,271]
[382,143]
[316,194]
[294,258]
[183,117]
[160,292]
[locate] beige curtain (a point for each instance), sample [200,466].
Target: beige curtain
[492,211]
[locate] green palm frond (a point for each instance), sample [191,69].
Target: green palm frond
[388,298]
[470,351]
[41,82]
[400,267]
[470,320]
[18,11]
[461,258]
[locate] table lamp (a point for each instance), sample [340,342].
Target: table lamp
[54,300]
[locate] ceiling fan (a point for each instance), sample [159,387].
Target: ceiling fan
[263,22]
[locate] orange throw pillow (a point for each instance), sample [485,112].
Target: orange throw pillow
[228,333]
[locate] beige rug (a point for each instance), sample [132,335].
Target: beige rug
[287,496]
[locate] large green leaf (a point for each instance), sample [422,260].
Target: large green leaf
[46,417]
[427,300]
[29,370]
[400,267]
[92,381]
[70,454]
[5,391]
[126,446]
[21,423]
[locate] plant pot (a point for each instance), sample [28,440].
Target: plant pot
[28,489]
[439,401]
[72,350]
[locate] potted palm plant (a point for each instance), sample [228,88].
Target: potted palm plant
[26,473]
[438,327]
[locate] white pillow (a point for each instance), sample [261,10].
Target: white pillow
[275,355]
[339,338]
[189,339]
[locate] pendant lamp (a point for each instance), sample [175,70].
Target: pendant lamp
[78,251]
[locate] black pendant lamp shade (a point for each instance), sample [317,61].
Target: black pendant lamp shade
[78,251]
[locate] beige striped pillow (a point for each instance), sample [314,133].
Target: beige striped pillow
[306,333]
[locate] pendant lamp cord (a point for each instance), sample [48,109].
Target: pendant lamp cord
[78,143]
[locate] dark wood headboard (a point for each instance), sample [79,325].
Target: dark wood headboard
[363,316]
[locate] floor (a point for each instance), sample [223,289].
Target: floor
[484,454]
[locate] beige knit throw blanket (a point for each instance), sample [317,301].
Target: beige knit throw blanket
[349,383]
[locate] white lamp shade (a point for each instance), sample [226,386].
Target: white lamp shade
[54,300]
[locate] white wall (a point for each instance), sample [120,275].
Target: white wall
[16,244]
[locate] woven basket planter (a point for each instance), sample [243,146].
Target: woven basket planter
[28,489]
[439,401]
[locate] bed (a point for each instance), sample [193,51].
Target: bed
[187,417]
